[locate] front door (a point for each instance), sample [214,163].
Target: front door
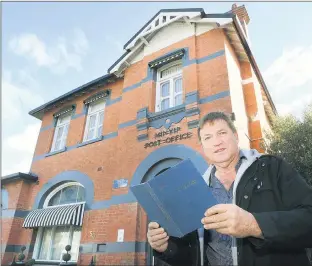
[155,171]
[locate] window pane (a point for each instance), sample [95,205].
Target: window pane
[96,106]
[171,70]
[64,119]
[178,99]
[100,124]
[99,132]
[64,137]
[69,195]
[164,89]
[75,243]
[164,104]
[45,244]
[59,132]
[57,145]
[55,200]
[92,121]
[60,240]
[90,134]
[178,85]
[101,118]
[91,127]
[81,194]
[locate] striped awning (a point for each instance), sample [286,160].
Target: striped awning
[55,216]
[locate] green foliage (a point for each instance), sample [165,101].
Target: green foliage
[291,139]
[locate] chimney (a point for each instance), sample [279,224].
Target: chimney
[242,15]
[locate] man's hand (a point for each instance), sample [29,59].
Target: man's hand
[229,219]
[157,237]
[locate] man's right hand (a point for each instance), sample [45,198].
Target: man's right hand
[157,237]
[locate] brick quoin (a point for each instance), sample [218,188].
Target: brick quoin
[118,157]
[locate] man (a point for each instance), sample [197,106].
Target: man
[265,213]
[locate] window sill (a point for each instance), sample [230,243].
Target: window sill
[166,117]
[90,141]
[54,262]
[55,152]
[166,113]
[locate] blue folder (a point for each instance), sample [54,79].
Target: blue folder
[176,199]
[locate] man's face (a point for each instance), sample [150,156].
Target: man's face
[219,142]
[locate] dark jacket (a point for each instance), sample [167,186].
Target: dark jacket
[281,202]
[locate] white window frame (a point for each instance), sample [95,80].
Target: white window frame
[39,242]
[49,197]
[97,124]
[171,79]
[41,229]
[57,128]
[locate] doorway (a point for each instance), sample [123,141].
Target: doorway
[156,170]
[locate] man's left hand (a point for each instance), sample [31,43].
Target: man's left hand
[229,219]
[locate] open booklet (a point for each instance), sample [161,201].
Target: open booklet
[176,199]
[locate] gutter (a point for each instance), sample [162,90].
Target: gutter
[77,90]
[19,176]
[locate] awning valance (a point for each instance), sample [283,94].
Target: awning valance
[55,216]
[178,54]
[64,110]
[97,96]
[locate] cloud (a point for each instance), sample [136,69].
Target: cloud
[19,149]
[118,45]
[296,106]
[58,57]
[291,69]
[289,80]
[18,96]
[26,140]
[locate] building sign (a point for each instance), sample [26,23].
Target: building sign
[120,183]
[167,132]
[170,139]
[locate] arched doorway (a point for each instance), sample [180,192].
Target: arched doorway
[157,169]
[157,162]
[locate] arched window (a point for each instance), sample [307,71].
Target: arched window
[66,194]
[51,241]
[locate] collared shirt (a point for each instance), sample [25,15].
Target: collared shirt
[218,248]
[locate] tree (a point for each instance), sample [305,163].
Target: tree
[291,139]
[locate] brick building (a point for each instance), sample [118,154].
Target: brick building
[125,127]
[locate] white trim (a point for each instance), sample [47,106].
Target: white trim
[116,67]
[39,242]
[48,198]
[51,242]
[97,124]
[59,125]
[151,27]
[247,81]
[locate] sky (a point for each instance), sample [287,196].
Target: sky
[51,48]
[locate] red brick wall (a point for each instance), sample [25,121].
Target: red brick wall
[255,131]
[120,156]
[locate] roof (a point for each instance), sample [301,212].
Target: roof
[38,112]
[18,176]
[161,19]
[177,11]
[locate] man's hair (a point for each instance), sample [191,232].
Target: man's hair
[213,116]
